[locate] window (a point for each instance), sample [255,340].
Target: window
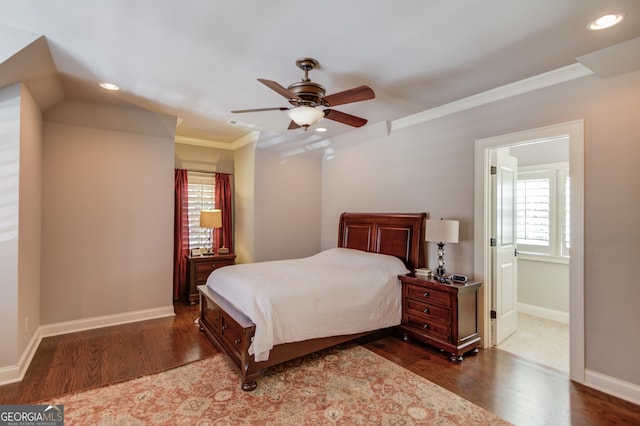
[543,212]
[533,209]
[202,196]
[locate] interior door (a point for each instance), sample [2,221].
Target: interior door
[505,265]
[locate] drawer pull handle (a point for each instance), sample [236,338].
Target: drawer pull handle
[237,341]
[224,327]
[215,318]
[426,294]
[426,310]
[426,326]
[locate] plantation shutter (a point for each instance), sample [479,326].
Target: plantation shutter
[543,210]
[202,196]
[534,212]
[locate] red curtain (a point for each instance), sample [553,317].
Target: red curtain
[223,202]
[180,235]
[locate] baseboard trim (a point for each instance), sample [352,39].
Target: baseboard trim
[612,386]
[545,313]
[15,373]
[105,321]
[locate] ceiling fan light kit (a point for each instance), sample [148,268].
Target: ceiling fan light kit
[309,100]
[305,116]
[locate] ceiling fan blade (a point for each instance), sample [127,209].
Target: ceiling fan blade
[345,118]
[293,125]
[357,94]
[238,111]
[276,87]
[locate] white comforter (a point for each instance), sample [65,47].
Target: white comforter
[335,292]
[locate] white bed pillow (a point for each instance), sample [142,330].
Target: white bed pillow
[359,258]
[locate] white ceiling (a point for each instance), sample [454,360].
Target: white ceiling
[199,59]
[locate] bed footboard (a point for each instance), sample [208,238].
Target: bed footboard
[231,331]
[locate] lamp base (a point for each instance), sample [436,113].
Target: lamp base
[441,272]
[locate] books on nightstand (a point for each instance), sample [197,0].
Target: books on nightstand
[423,273]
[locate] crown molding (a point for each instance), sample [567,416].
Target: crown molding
[557,76]
[208,143]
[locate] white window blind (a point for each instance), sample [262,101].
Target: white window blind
[202,196]
[543,210]
[533,211]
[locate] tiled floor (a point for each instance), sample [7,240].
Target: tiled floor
[540,340]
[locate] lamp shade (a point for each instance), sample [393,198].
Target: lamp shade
[210,218]
[305,115]
[441,231]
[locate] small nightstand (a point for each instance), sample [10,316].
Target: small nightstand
[441,315]
[200,267]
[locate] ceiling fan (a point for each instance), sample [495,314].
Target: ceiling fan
[309,100]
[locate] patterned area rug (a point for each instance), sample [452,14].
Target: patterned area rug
[346,385]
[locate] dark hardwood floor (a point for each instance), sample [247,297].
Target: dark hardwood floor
[92,358]
[517,390]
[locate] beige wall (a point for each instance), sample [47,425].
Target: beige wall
[30,226]
[277,205]
[20,222]
[244,193]
[287,206]
[9,222]
[430,167]
[612,232]
[107,211]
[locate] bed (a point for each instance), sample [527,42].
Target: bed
[226,320]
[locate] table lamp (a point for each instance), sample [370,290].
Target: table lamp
[210,219]
[441,232]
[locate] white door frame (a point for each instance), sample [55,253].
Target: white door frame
[482,230]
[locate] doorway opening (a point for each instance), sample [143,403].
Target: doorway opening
[485,231]
[530,223]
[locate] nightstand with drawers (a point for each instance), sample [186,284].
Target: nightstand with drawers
[200,267]
[441,315]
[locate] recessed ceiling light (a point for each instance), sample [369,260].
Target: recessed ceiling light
[109,86]
[321,129]
[606,21]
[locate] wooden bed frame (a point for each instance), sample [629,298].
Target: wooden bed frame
[396,234]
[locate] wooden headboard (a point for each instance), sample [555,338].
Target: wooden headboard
[396,234]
